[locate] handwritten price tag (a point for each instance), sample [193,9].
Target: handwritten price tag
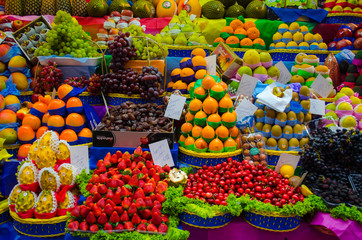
[161,153]
[289,159]
[211,64]
[317,107]
[244,109]
[175,107]
[79,157]
[247,85]
[322,86]
[285,75]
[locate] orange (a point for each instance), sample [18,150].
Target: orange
[191,85]
[191,6]
[234,132]
[217,88]
[39,109]
[46,99]
[7,116]
[63,90]
[228,29]
[200,93]
[249,24]
[182,138]
[74,120]
[208,133]
[226,102]
[56,123]
[70,136]
[170,84]
[45,118]
[20,80]
[179,85]
[214,118]
[240,31]
[195,105]
[200,144]
[208,82]
[216,145]
[166,8]
[235,24]
[74,105]
[85,136]
[189,117]
[259,41]
[222,132]
[210,105]
[24,150]
[189,141]
[246,42]
[41,131]
[56,107]
[32,121]
[228,118]
[200,74]
[230,143]
[26,133]
[198,52]
[224,85]
[232,40]
[253,33]
[186,128]
[196,131]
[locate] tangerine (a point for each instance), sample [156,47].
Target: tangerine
[32,121]
[216,145]
[222,132]
[70,136]
[196,132]
[195,105]
[210,105]
[186,128]
[208,133]
[26,133]
[200,144]
[208,82]
[189,117]
[41,131]
[24,150]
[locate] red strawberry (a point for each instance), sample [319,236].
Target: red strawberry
[114,217]
[124,192]
[132,209]
[147,155]
[156,211]
[163,228]
[109,201]
[97,211]
[126,203]
[76,211]
[136,219]
[100,162]
[95,179]
[119,154]
[140,203]
[161,187]
[157,204]
[136,171]
[126,155]
[156,219]
[103,178]
[134,181]
[151,228]
[117,198]
[124,217]
[107,162]
[73,225]
[148,188]
[148,202]
[94,228]
[102,169]
[149,164]
[144,221]
[89,187]
[138,151]
[119,227]
[146,214]
[126,178]
[156,177]
[101,203]
[118,209]
[110,183]
[102,219]
[122,165]
[166,168]
[114,159]
[141,183]
[93,190]
[119,182]
[153,197]
[164,218]
[89,201]
[97,197]
[128,226]
[102,189]
[144,170]
[142,227]
[108,209]
[161,198]
[133,165]
[109,194]
[83,226]
[91,218]
[84,210]
[151,172]
[139,193]
[140,165]
[108,227]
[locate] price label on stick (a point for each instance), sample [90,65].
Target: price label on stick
[79,157]
[211,64]
[161,153]
[322,86]
[247,85]
[287,159]
[317,107]
[175,107]
[244,109]
[284,76]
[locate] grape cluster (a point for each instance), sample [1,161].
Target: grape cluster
[79,82]
[50,77]
[150,80]
[122,51]
[124,81]
[67,37]
[95,84]
[330,157]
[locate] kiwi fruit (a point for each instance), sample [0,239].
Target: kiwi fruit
[292,116]
[295,96]
[266,128]
[297,129]
[303,142]
[271,142]
[297,79]
[259,113]
[300,117]
[270,113]
[287,129]
[305,104]
[305,91]
[293,142]
[283,144]
[307,117]
[282,116]
[259,126]
[276,131]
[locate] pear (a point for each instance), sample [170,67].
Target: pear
[194,39]
[203,40]
[167,39]
[187,30]
[174,31]
[164,30]
[174,21]
[158,38]
[181,40]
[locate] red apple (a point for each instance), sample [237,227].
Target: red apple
[357,44]
[344,32]
[17,24]
[115,14]
[343,43]
[4,49]
[35,97]
[332,44]
[358,33]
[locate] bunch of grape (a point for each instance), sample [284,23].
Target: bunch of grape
[79,82]
[50,77]
[150,80]
[67,37]
[124,81]
[94,84]
[122,51]
[329,158]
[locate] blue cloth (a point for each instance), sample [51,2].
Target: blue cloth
[75,92]
[10,88]
[15,50]
[345,54]
[291,15]
[8,177]
[7,230]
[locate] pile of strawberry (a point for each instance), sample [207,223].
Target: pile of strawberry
[126,193]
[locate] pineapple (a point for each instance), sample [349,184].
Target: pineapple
[14,7]
[32,7]
[64,5]
[48,7]
[79,8]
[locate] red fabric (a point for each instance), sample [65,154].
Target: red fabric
[62,212]
[60,162]
[61,194]
[45,215]
[12,207]
[30,187]
[27,214]
[21,158]
[155,25]
[327,31]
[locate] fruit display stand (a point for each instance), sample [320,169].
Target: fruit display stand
[343,18]
[185,51]
[219,220]
[273,156]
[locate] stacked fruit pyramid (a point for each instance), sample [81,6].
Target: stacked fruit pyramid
[210,120]
[345,111]
[343,6]
[126,193]
[239,33]
[285,131]
[352,70]
[47,166]
[296,37]
[191,69]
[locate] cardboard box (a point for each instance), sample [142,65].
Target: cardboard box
[228,63]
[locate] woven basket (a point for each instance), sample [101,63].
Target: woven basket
[194,220]
[272,221]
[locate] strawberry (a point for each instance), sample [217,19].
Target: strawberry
[114,217]
[84,210]
[102,169]
[139,193]
[145,214]
[89,201]
[151,228]
[119,227]
[76,211]
[151,172]
[97,196]
[138,159]
[83,226]
[144,221]
[128,226]
[122,165]
[109,194]
[119,154]
[132,209]
[153,197]
[157,204]
[136,219]
[156,219]
[156,177]
[163,228]
[140,203]
[161,187]
[138,151]
[134,181]
[126,155]
[155,211]
[118,209]
[141,227]
[95,179]
[110,183]
[147,155]
[108,227]
[164,218]
[103,178]
[117,198]
[124,192]
[89,187]
[102,219]
[144,170]
[97,211]
[101,203]
[148,188]
[119,182]
[148,202]
[114,159]
[91,218]
[140,165]
[109,201]
[149,164]
[100,162]
[124,217]
[161,198]
[73,225]
[107,163]
[126,203]
[133,165]
[126,178]
[93,190]
[102,189]
[94,228]
[141,183]
[136,171]
[166,168]
[108,209]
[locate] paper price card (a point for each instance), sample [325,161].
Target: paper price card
[175,107]
[284,76]
[244,109]
[211,64]
[289,159]
[247,85]
[322,86]
[79,157]
[161,153]
[317,107]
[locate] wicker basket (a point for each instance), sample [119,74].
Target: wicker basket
[272,221]
[217,221]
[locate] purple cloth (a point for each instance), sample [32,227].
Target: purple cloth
[240,229]
[101,111]
[345,230]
